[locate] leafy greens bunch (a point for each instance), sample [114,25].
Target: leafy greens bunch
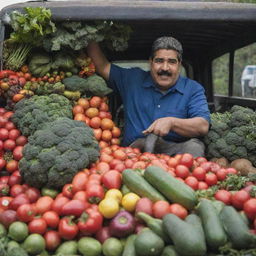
[76,35]
[29,29]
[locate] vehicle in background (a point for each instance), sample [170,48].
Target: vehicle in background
[248,81]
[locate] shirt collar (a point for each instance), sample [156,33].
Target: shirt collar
[179,86]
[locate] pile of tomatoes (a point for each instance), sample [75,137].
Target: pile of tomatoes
[95,113]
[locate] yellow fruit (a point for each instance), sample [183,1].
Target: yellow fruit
[115,194]
[109,207]
[129,201]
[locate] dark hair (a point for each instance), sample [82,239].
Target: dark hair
[168,43]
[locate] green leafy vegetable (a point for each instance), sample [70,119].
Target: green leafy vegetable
[76,35]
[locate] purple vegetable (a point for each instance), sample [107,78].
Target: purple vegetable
[122,225]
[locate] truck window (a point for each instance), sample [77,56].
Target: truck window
[220,73]
[245,72]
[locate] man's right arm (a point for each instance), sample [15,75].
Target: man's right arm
[101,63]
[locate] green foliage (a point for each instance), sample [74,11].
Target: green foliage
[76,35]
[34,113]
[31,26]
[56,153]
[232,135]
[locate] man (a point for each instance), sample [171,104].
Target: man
[159,101]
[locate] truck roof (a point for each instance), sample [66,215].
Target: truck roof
[208,29]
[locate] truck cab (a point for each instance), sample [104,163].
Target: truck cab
[248,81]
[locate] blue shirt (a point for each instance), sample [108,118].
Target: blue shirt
[144,102]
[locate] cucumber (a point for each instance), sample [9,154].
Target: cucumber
[129,248]
[236,229]
[173,189]
[213,229]
[187,236]
[148,243]
[169,250]
[155,225]
[136,183]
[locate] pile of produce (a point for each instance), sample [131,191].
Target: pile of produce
[67,187]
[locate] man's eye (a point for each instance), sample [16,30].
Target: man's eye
[158,60]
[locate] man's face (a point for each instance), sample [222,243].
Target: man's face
[165,68]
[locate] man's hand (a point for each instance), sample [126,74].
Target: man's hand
[160,127]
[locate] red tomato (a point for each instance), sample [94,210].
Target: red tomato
[192,182]
[221,174]
[38,226]
[178,210]
[200,159]
[2,163]
[51,218]
[14,134]
[58,203]
[67,190]
[202,185]
[4,134]
[21,140]
[199,173]
[16,190]
[17,153]
[144,204]
[26,212]
[14,179]
[18,201]
[9,145]
[73,207]
[3,121]
[52,240]
[67,229]
[79,182]
[224,196]
[231,170]
[12,165]
[250,208]
[9,125]
[102,167]
[43,204]
[206,166]
[187,160]
[112,179]
[33,194]
[80,195]
[239,198]
[215,167]
[160,209]
[182,171]
[172,162]
[211,179]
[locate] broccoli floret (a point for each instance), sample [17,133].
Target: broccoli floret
[233,138]
[241,116]
[54,154]
[34,113]
[16,251]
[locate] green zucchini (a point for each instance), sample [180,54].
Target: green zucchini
[148,243]
[169,250]
[213,229]
[187,236]
[136,183]
[129,248]
[173,189]
[155,225]
[236,229]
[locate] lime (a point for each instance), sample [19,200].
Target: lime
[112,247]
[2,231]
[18,231]
[67,248]
[89,246]
[34,244]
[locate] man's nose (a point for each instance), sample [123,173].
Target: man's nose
[165,65]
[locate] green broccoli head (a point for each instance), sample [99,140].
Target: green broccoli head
[54,154]
[34,113]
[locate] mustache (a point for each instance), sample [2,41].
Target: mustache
[164,73]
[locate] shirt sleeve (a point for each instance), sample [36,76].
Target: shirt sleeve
[117,77]
[198,106]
